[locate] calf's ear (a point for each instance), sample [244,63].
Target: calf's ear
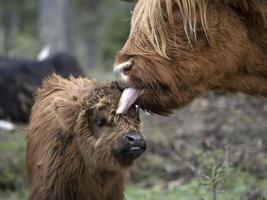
[67,112]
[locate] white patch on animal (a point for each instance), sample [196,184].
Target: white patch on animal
[118,69]
[44,54]
[6,125]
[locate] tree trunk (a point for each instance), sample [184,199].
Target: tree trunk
[9,24]
[56,20]
[92,45]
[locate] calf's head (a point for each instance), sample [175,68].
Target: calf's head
[180,49]
[87,109]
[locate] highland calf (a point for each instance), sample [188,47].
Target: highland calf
[77,147]
[178,50]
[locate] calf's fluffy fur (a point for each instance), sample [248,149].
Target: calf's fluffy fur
[72,140]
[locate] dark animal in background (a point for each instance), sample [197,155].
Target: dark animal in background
[77,147]
[180,49]
[19,79]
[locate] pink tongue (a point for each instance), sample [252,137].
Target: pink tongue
[128,98]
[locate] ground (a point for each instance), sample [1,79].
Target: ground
[214,149]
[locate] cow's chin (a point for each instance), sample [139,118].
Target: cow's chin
[159,102]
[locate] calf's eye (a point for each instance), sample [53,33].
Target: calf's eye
[100,122]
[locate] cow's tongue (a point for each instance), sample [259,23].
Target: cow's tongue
[128,98]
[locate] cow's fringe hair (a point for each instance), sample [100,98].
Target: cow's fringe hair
[154,17]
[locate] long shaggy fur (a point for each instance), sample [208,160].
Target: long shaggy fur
[153,17]
[180,49]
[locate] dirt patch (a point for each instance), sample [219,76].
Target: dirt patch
[213,128]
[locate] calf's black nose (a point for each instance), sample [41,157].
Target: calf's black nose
[129,147]
[135,140]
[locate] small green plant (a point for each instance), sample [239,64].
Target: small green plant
[219,173]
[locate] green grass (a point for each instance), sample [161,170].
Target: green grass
[12,165]
[236,185]
[233,186]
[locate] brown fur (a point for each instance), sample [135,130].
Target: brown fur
[183,48]
[68,156]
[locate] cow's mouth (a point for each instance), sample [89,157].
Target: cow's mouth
[128,98]
[129,147]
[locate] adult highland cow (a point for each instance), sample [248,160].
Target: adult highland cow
[78,148]
[178,50]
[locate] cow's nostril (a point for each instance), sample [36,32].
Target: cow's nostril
[130,138]
[134,139]
[128,68]
[131,65]
[123,67]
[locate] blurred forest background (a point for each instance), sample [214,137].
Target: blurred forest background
[214,149]
[91,30]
